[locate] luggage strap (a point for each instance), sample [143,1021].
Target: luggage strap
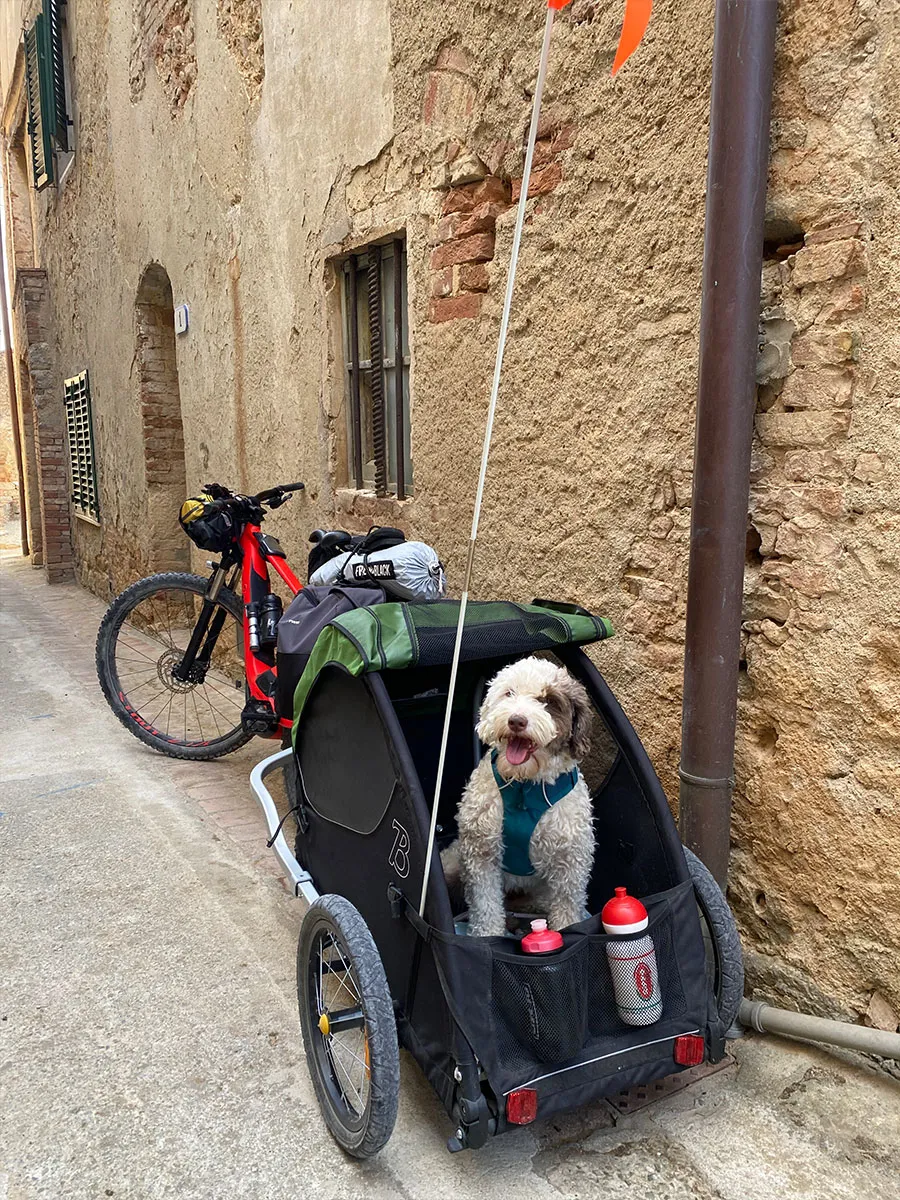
[401,907]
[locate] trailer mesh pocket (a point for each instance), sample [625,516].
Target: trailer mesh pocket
[529,1017]
[541,1006]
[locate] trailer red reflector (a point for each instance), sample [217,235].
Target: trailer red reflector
[690,1050]
[521,1106]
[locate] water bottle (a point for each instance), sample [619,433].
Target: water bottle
[541,940]
[632,963]
[269,616]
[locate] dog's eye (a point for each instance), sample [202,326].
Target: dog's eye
[509,692]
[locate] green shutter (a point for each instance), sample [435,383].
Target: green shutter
[36,76]
[57,116]
[80,431]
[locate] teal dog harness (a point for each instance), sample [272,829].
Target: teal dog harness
[524,803]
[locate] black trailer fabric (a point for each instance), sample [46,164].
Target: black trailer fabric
[300,625]
[552,1022]
[548,1023]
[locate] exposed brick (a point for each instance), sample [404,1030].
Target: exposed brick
[492,190]
[481,219]
[830,260]
[442,283]
[834,233]
[543,153]
[829,347]
[802,428]
[543,180]
[869,468]
[478,248]
[455,307]
[473,277]
[460,199]
[563,139]
[453,58]
[818,387]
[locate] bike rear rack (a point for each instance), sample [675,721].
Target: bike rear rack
[301,879]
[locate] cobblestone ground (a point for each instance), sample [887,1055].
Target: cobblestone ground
[149,1044]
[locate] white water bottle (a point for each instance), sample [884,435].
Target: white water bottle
[632,963]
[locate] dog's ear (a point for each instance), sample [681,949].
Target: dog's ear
[582,716]
[568,703]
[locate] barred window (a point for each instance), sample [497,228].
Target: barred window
[80,433]
[376,360]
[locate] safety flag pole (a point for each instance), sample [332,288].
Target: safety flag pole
[637,14]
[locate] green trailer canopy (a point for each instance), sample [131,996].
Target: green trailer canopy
[393,636]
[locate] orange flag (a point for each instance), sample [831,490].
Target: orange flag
[637,18]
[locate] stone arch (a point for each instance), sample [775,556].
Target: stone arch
[166,547]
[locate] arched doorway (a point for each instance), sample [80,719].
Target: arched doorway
[166,547]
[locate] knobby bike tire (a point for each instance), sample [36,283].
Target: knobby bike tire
[107,637]
[368,1132]
[728,960]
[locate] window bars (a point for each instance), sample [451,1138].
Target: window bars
[80,432]
[376,344]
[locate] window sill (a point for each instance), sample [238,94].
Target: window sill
[86,517]
[364,503]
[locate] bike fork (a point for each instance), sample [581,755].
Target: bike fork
[209,623]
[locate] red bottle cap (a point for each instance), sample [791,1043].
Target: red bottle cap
[541,940]
[624,913]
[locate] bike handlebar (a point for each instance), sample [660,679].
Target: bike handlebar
[250,507]
[281,490]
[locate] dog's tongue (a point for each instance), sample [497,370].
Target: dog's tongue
[517,751]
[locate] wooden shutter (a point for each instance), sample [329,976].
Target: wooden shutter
[376,375]
[37,77]
[58,118]
[80,431]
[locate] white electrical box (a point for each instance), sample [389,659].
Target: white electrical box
[181,318]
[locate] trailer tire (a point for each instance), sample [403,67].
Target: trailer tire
[359,1107]
[724,956]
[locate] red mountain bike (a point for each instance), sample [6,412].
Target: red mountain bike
[186,665]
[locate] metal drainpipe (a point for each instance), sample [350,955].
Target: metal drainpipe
[765,1019]
[743,55]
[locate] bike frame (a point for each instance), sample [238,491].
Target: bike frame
[259,551]
[254,554]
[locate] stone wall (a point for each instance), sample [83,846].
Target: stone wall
[163,35]
[247,183]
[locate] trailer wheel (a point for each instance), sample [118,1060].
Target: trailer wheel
[349,1033]
[725,961]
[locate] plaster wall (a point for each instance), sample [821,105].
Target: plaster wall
[267,138]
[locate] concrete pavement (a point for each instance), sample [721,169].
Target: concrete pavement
[149,1042]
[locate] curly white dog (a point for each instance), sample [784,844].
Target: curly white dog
[525,818]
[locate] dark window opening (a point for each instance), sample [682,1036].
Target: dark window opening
[376,361]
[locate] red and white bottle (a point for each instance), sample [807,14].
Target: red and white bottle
[541,940]
[632,963]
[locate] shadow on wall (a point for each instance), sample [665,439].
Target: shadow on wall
[161,427]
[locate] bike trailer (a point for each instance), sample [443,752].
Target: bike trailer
[502,1036]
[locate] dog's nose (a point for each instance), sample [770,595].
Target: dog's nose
[517,723]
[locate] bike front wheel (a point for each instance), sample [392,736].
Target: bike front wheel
[143,637]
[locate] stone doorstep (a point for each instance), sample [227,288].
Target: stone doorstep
[645,1094]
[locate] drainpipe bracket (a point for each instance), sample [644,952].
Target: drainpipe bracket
[704,781]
